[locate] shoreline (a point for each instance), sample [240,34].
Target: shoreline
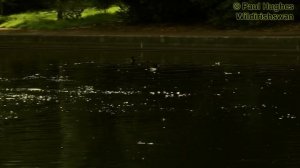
[152,42]
[161,30]
[221,41]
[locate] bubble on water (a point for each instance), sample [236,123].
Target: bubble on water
[3,79]
[60,79]
[227,73]
[8,115]
[145,143]
[153,69]
[35,76]
[108,92]
[141,143]
[35,89]
[268,83]
[217,64]
[77,63]
[287,116]
[86,90]
[293,117]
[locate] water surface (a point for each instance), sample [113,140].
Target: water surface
[99,109]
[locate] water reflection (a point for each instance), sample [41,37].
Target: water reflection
[86,112]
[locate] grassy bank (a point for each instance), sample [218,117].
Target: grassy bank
[46,20]
[100,22]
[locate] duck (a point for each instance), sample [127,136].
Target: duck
[151,68]
[154,68]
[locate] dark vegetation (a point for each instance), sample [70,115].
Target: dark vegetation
[214,12]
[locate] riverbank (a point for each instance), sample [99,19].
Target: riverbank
[158,30]
[150,42]
[156,38]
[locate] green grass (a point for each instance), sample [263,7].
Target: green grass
[91,17]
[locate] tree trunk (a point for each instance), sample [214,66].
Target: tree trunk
[59,10]
[59,14]
[1,7]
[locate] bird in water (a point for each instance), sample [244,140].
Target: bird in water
[151,68]
[154,68]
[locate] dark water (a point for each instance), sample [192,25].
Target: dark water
[208,110]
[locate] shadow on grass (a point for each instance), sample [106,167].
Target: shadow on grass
[2,19]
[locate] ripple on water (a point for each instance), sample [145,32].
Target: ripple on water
[153,111]
[3,79]
[35,76]
[144,143]
[8,115]
[60,79]
[170,94]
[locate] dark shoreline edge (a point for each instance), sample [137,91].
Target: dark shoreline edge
[153,43]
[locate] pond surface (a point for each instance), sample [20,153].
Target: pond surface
[162,110]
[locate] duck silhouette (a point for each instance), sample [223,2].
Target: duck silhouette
[149,67]
[154,68]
